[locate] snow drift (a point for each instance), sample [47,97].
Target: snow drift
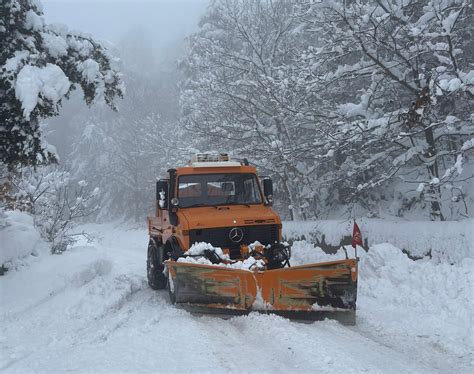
[450,241]
[19,239]
[426,300]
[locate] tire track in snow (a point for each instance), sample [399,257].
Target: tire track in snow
[415,349]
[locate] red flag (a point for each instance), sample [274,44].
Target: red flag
[356,236]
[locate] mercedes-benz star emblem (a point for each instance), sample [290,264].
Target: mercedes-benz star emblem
[236,235]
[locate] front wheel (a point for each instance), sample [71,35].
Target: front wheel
[154,266]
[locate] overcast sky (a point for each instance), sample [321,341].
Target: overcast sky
[165,22]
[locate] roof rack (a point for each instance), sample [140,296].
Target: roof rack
[214,159]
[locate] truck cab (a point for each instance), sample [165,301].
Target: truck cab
[215,200]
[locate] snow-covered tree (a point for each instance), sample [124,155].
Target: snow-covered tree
[399,75]
[240,95]
[40,64]
[124,153]
[343,103]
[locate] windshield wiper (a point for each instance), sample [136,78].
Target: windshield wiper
[238,203]
[197,205]
[216,205]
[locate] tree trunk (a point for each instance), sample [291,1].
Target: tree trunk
[433,172]
[288,193]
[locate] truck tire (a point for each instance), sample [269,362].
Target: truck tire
[154,266]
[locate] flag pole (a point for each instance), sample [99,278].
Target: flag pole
[355,246]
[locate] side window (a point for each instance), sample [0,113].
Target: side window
[221,189]
[189,190]
[251,190]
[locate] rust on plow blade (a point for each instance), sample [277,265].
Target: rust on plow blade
[308,292]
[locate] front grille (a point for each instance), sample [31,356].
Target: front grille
[219,237]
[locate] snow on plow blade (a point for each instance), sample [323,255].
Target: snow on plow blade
[308,292]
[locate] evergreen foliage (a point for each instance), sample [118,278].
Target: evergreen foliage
[40,65]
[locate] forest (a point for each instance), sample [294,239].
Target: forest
[355,109]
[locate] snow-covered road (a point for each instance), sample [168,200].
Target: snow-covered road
[90,310]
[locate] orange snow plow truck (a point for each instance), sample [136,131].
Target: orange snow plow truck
[216,244]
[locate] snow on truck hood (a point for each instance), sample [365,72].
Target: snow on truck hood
[228,215]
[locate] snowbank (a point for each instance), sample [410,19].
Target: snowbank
[450,241]
[18,239]
[424,295]
[303,252]
[428,300]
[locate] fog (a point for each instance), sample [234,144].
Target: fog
[148,37]
[163,23]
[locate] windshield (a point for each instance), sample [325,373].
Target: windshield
[218,189]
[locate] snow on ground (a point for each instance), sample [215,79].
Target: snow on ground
[19,239]
[428,302]
[90,310]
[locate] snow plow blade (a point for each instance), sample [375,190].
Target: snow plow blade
[309,292]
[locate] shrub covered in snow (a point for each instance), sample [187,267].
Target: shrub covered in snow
[56,202]
[18,239]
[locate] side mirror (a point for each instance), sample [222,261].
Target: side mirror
[173,200]
[162,189]
[268,190]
